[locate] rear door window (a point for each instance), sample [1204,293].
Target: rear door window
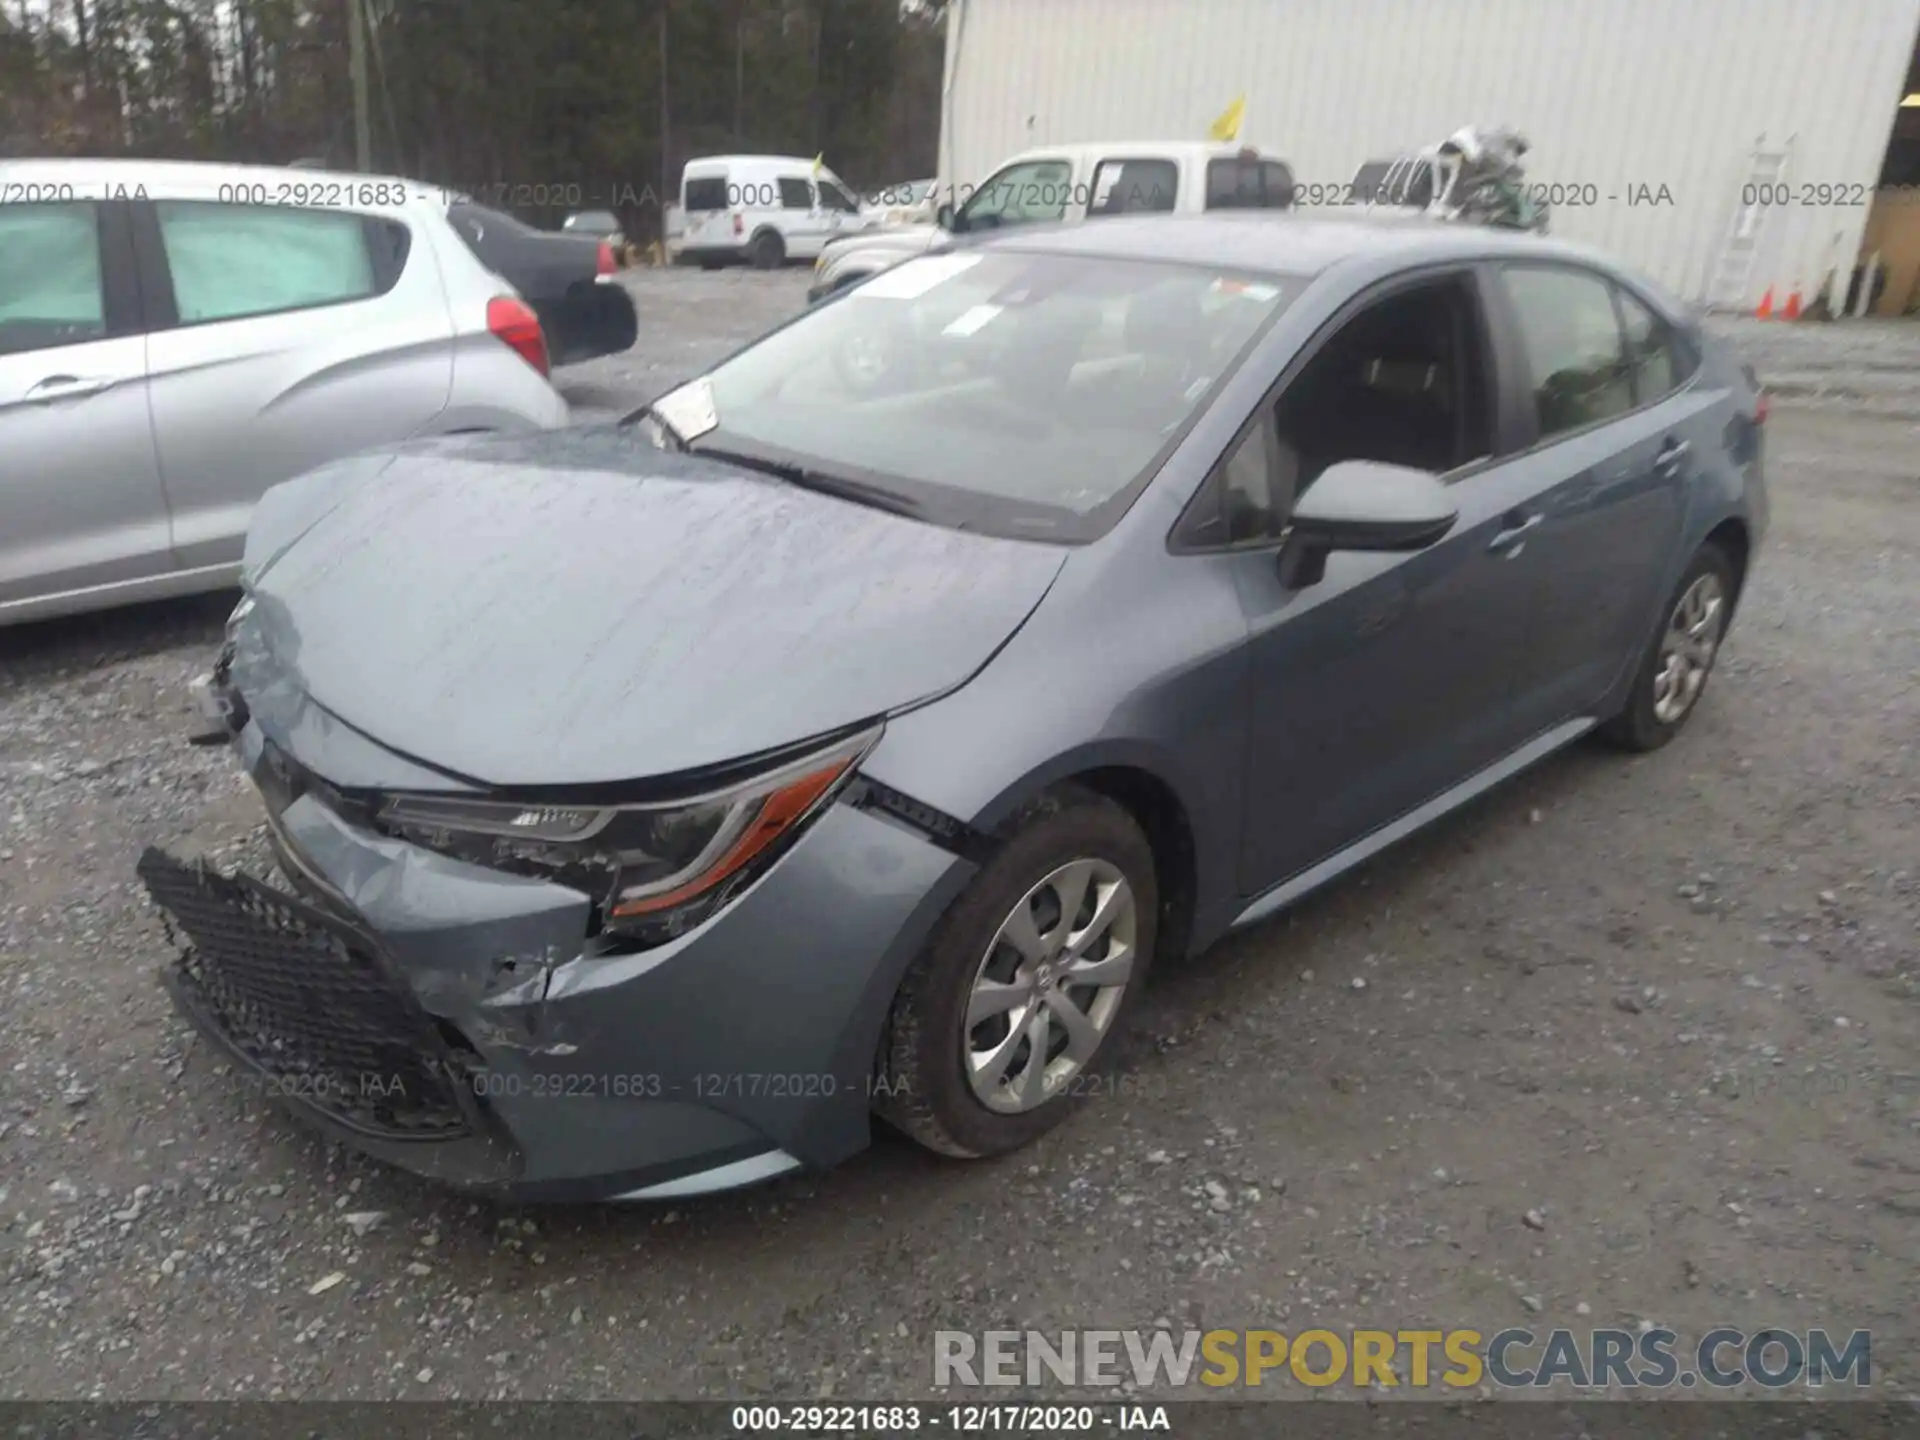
[708,192]
[1659,362]
[1571,338]
[795,194]
[1123,187]
[232,261]
[50,288]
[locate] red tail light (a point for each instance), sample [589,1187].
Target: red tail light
[606,264]
[517,327]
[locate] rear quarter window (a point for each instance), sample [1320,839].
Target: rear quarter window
[229,262]
[709,192]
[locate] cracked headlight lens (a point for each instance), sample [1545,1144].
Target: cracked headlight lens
[654,870]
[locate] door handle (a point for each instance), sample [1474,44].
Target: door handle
[1667,462]
[1509,540]
[68,387]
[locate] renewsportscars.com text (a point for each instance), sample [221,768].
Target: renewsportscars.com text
[1514,1358]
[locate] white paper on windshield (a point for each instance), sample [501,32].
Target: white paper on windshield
[689,410]
[975,319]
[911,279]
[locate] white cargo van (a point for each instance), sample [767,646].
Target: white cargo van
[762,209]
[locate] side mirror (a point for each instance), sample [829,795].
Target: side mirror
[1364,505]
[947,218]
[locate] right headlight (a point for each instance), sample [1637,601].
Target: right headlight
[653,870]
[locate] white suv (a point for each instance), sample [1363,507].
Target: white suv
[175,338]
[1066,184]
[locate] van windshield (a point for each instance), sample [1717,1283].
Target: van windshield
[1022,394]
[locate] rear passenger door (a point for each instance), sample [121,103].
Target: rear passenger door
[80,497]
[288,336]
[1613,415]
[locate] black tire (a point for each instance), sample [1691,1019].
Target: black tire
[920,1084]
[1637,727]
[767,251]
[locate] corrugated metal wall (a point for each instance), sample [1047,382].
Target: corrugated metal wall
[1615,95]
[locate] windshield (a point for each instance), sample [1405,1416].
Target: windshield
[1022,392]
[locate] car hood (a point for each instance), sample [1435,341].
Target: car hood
[901,241]
[578,607]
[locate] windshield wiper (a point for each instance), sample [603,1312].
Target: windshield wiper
[839,486]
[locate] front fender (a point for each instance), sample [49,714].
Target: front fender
[1147,675]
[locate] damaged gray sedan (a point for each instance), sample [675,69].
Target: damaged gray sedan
[848,732]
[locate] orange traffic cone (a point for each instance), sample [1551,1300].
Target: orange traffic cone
[1793,303]
[1765,312]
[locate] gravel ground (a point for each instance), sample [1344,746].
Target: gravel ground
[1629,1040]
[1859,366]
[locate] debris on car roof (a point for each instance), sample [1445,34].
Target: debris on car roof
[1473,175]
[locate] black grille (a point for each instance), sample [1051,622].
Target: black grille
[300,996]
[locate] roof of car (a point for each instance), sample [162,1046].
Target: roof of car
[1294,243]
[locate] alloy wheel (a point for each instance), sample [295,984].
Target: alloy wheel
[1687,649]
[1049,986]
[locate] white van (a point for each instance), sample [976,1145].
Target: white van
[763,209]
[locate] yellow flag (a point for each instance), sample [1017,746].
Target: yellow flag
[819,162]
[1227,127]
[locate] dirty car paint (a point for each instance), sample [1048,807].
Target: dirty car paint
[582,608]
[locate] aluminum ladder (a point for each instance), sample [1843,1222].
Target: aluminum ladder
[1730,280]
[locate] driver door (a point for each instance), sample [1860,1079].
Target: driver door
[1393,677]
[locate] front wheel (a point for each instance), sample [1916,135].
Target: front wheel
[998,1029]
[1673,674]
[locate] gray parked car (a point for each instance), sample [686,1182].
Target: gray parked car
[852,730]
[175,338]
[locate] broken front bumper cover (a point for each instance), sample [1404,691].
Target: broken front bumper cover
[310,1011]
[454,1021]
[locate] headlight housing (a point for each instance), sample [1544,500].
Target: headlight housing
[654,870]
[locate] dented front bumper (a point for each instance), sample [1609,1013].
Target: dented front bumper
[739,1050]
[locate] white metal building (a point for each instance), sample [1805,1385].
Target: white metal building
[1650,120]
